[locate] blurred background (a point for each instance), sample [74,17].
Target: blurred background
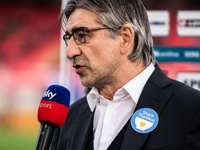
[32,57]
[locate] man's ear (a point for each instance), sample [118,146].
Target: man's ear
[127,36]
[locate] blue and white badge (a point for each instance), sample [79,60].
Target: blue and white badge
[144,120]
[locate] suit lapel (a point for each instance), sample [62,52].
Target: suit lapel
[81,130]
[154,95]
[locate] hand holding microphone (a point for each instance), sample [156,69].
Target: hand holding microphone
[52,112]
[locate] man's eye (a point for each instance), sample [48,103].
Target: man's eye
[80,35]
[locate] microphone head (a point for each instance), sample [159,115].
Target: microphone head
[54,105]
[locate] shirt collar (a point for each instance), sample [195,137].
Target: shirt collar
[93,98]
[136,85]
[134,88]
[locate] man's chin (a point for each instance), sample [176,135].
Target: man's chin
[85,82]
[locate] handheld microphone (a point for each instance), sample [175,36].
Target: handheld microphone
[52,112]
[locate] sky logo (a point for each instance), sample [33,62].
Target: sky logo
[49,94]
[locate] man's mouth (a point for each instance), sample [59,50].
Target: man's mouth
[78,68]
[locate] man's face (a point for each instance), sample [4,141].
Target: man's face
[97,60]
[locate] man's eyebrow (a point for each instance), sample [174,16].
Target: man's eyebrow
[77,29]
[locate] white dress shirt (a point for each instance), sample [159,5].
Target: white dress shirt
[111,116]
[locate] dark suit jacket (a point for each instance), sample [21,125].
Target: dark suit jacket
[178,108]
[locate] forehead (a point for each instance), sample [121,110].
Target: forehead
[81,17]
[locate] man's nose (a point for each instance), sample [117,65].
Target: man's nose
[73,49]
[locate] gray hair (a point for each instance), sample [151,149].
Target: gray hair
[114,14]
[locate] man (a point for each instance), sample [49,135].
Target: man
[133,105]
